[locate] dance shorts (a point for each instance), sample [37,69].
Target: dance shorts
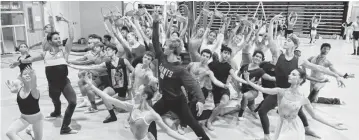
[356,35]
[33,118]
[104,82]
[218,93]
[121,92]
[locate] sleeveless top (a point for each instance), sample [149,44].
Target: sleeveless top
[22,66]
[283,69]
[138,125]
[118,75]
[288,107]
[55,66]
[29,105]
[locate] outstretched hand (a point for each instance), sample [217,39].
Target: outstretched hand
[340,82]
[339,126]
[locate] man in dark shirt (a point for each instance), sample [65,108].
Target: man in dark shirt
[171,77]
[221,70]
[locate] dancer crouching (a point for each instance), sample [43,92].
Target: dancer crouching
[117,72]
[290,101]
[141,114]
[28,101]
[172,77]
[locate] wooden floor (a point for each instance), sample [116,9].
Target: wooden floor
[90,126]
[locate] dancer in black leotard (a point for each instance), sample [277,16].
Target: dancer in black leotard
[24,50]
[28,101]
[313,28]
[56,73]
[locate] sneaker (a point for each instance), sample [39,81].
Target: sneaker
[91,110]
[180,130]
[241,119]
[68,131]
[53,116]
[85,103]
[110,119]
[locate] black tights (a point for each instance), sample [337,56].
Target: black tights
[55,89]
[269,103]
[181,109]
[314,95]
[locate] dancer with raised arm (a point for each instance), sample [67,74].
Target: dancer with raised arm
[291,22]
[313,28]
[290,101]
[355,25]
[56,73]
[28,101]
[172,77]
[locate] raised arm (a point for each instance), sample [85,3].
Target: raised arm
[128,65]
[138,34]
[194,26]
[123,42]
[296,17]
[137,25]
[69,42]
[155,36]
[184,30]
[168,32]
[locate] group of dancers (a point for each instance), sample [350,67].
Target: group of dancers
[138,68]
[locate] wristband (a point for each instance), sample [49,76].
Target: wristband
[346,76]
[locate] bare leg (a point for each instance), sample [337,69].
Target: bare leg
[38,130]
[17,126]
[216,111]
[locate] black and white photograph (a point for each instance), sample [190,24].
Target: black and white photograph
[179,70]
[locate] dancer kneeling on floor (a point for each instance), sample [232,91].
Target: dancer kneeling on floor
[117,72]
[141,114]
